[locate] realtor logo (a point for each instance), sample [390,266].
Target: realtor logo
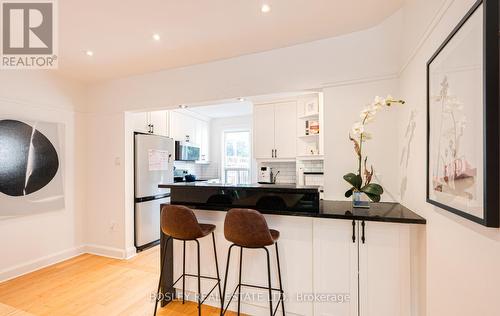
[28,34]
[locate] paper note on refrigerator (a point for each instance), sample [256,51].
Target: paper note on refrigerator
[158,160]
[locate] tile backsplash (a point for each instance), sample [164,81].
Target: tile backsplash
[202,171]
[287,171]
[310,165]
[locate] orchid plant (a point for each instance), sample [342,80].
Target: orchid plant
[362,181]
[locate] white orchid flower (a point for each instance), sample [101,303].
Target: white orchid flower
[377,107]
[358,128]
[366,136]
[368,111]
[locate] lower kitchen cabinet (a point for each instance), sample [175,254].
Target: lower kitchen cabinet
[326,268]
[384,269]
[335,259]
[366,262]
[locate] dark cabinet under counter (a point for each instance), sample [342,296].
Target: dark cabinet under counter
[272,197]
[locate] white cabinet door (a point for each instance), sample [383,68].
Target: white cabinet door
[198,131]
[181,126]
[140,122]
[159,121]
[176,130]
[204,141]
[335,267]
[285,130]
[384,264]
[263,133]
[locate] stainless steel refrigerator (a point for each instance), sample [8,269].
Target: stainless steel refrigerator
[153,164]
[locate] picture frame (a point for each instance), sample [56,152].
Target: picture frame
[311,106]
[463,118]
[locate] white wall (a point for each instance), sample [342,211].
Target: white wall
[31,242]
[106,218]
[343,105]
[462,257]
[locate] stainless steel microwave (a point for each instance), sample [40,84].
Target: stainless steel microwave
[185,151]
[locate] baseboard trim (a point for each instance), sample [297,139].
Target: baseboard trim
[43,262]
[130,252]
[105,251]
[40,263]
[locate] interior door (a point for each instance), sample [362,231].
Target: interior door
[335,267]
[285,127]
[384,275]
[263,133]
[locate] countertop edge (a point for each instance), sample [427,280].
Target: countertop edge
[411,221]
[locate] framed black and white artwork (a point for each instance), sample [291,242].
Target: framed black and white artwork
[31,167]
[463,118]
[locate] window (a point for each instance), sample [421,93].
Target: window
[236,158]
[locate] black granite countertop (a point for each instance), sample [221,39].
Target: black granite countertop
[256,186]
[378,212]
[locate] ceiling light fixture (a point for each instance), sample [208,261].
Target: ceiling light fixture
[265,8]
[183,106]
[156,37]
[89,53]
[241,99]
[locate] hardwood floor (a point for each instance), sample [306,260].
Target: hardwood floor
[92,286]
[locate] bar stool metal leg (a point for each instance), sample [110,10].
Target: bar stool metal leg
[239,281]
[223,298]
[279,278]
[183,271]
[217,268]
[199,278]
[161,275]
[269,282]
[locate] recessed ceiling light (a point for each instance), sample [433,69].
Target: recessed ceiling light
[265,8]
[241,99]
[183,106]
[156,37]
[89,53]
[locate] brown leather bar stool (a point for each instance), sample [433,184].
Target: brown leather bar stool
[247,228]
[180,223]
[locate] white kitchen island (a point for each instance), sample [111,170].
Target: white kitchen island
[336,261]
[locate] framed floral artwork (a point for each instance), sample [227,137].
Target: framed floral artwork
[463,118]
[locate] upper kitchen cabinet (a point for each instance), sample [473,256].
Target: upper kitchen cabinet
[182,127]
[275,130]
[155,122]
[185,127]
[203,135]
[159,122]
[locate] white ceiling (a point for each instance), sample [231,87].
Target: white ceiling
[119,32]
[223,110]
